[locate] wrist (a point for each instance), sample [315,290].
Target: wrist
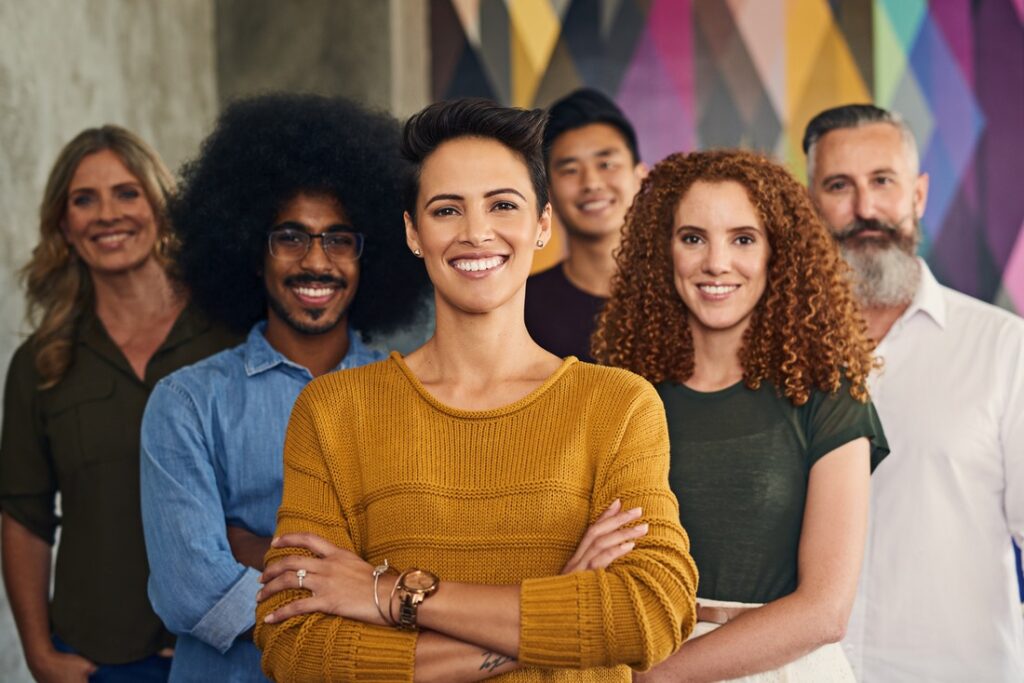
[410,590]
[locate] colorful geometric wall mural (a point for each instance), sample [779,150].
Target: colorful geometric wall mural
[712,73]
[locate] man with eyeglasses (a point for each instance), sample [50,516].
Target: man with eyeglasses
[290,227]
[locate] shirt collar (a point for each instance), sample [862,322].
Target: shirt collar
[260,356]
[928,299]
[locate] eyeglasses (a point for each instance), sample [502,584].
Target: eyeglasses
[289,244]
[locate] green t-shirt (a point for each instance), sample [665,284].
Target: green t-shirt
[740,464]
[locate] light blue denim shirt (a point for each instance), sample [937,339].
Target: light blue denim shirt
[212,456]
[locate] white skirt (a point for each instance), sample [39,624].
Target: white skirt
[827,664]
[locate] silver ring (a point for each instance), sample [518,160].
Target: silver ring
[301,574]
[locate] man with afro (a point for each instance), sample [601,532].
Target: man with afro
[291,227]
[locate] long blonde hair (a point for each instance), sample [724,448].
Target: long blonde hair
[57,282]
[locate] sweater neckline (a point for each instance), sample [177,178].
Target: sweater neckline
[567,363]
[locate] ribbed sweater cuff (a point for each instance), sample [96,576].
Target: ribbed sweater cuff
[559,627]
[384,654]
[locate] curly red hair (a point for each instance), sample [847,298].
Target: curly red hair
[806,332]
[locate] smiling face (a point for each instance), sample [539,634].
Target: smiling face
[312,294]
[108,222]
[720,257]
[477,224]
[593,179]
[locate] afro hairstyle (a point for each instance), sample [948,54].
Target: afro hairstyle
[263,152]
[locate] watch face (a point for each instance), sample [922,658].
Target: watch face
[419,580]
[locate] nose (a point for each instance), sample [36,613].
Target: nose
[476,229]
[590,178]
[108,209]
[316,258]
[716,259]
[864,204]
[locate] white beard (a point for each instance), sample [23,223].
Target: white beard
[884,276]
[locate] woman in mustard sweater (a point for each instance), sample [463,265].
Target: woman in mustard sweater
[474,466]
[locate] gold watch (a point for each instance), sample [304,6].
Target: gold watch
[414,586]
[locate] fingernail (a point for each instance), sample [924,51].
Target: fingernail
[274,540]
[259,595]
[628,546]
[269,618]
[616,503]
[642,528]
[636,512]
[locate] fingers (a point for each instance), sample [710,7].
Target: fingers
[606,533]
[290,565]
[311,542]
[610,547]
[304,606]
[610,510]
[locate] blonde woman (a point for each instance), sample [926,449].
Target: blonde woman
[109,321]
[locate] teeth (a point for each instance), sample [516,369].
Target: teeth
[473,265]
[717,289]
[594,205]
[314,292]
[112,238]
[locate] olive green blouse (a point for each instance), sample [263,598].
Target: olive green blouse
[741,460]
[81,438]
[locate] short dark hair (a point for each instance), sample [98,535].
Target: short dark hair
[264,152]
[583,107]
[854,116]
[471,117]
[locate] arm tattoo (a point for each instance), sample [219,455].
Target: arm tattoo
[493,660]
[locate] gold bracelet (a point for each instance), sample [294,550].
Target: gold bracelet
[379,571]
[391,598]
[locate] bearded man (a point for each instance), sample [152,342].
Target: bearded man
[937,599]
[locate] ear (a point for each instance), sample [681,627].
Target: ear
[641,170]
[412,238]
[920,195]
[544,223]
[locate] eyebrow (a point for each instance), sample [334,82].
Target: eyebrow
[126,184]
[836,176]
[606,152]
[697,228]
[459,197]
[296,225]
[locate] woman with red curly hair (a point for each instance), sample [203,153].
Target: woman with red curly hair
[733,300]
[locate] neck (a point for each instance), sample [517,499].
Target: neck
[591,262]
[881,319]
[135,298]
[716,358]
[478,349]
[318,353]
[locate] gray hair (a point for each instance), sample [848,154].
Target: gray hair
[855,116]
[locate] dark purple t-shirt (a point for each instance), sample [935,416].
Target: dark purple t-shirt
[560,316]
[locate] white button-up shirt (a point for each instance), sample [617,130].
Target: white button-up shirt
[938,597]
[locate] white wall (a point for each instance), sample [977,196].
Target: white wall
[70,64]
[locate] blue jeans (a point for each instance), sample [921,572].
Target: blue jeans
[152,669]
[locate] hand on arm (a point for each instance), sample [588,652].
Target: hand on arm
[341,584]
[831,547]
[248,548]
[26,570]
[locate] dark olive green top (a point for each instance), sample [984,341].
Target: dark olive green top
[740,465]
[81,438]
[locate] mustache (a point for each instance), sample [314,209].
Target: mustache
[862,225]
[311,279]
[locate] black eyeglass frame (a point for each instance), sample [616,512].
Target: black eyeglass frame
[307,238]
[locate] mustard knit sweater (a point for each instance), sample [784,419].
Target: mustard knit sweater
[375,464]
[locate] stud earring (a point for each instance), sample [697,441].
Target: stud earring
[540,244]
[417,252]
